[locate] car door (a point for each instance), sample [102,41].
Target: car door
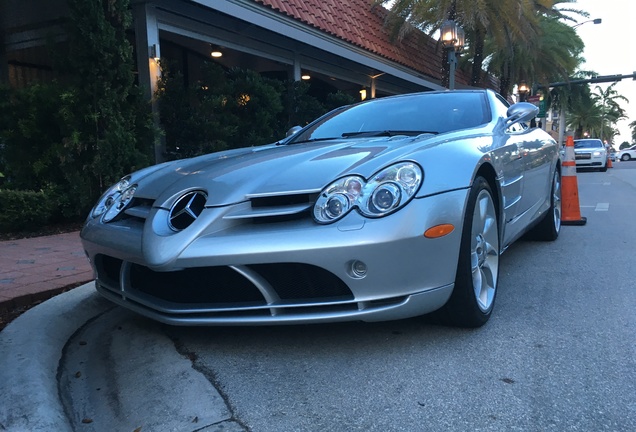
[538,154]
[509,153]
[525,158]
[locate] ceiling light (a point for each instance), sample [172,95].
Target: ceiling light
[216,52]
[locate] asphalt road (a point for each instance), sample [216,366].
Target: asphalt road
[559,353]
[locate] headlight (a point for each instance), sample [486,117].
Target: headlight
[337,199]
[386,192]
[114,200]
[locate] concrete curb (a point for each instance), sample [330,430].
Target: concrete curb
[30,351]
[78,362]
[122,373]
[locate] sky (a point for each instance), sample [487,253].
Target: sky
[610,49]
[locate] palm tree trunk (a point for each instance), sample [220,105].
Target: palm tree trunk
[478,58]
[504,80]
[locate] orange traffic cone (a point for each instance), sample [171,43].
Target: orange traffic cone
[609,162]
[570,209]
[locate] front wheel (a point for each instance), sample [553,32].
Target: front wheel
[473,297]
[625,157]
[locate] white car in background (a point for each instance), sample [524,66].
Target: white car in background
[590,153]
[628,153]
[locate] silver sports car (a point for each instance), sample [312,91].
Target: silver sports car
[386,209]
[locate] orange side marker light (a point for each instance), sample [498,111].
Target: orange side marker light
[439,231]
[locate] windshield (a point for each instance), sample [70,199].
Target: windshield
[403,115]
[588,143]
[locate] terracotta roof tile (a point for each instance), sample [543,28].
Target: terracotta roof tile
[359,23]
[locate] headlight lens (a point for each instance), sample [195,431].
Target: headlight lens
[386,192]
[385,198]
[114,200]
[337,205]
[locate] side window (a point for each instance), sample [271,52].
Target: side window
[502,100]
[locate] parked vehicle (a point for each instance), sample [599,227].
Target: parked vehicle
[590,153]
[627,154]
[386,209]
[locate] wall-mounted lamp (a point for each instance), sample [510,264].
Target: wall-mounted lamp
[305,76]
[153,52]
[363,94]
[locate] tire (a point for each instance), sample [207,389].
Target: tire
[550,226]
[625,157]
[604,169]
[473,297]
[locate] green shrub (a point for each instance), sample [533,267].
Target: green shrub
[224,109]
[231,108]
[76,136]
[31,134]
[23,210]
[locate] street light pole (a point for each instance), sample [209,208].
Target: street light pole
[452,62]
[562,110]
[595,21]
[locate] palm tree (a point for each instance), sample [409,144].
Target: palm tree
[554,56]
[561,98]
[585,114]
[610,107]
[508,23]
[517,39]
[633,126]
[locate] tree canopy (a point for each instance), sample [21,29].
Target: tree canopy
[513,40]
[520,40]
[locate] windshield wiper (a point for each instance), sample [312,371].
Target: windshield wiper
[314,140]
[388,133]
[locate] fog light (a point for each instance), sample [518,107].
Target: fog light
[358,269]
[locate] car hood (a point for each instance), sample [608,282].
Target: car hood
[233,176]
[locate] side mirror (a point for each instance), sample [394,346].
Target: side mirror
[521,112]
[292,131]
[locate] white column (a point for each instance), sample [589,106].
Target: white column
[147,44]
[297,70]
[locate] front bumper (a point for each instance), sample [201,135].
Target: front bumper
[284,272]
[588,159]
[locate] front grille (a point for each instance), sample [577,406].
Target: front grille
[282,200]
[581,156]
[108,270]
[221,286]
[195,285]
[294,281]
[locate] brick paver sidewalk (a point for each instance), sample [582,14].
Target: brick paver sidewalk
[37,268]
